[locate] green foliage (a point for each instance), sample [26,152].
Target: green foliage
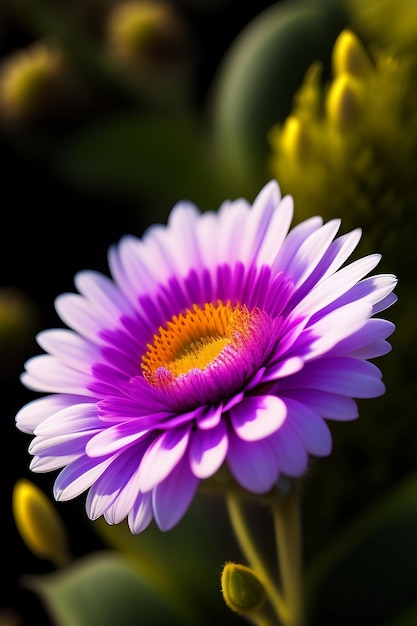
[102,589]
[367,574]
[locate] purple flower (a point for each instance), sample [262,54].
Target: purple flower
[221,339]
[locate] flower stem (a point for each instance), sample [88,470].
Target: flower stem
[249,549]
[287,523]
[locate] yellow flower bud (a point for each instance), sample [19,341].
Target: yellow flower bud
[294,140]
[26,78]
[144,32]
[242,590]
[38,523]
[343,101]
[349,56]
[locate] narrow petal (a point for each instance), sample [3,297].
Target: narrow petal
[141,513]
[344,375]
[257,417]
[311,251]
[78,314]
[277,231]
[337,326]
[207,450]
[70,348]
[311,429]
[253,464]
[47,373]
[291,455]
[162,456]
[104,295]
[336,285]
[119,482]
[284,368]
[327,404]
[35,412]
[114,438]
[79,476]
[172,497]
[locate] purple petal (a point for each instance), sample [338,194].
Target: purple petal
[172,497]
[311,429]
[285,367]
[108,486]
[291,455]
[253,464]
[341,375]
[104,295]
[47,373]
[311,251]
[257,417]
[210,418]
[35,412]
[337,326]
[162,456]
[336,285]
[277,231]
[141,513]
[207,450]
[79,476]
[114,438]
[328,405]
[71,419]
[372,332]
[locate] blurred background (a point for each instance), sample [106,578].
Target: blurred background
[113,110]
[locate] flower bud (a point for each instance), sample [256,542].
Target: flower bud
[349,56]
[146,34]
[242,590]
[27,78]
[294,139]
[38,523]
[343,101]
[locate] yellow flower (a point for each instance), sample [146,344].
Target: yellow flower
[350,147]
[390,23]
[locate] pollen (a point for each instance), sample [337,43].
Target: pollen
[195,339]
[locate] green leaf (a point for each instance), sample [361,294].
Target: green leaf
[367,575]
[161,158]
[102,589]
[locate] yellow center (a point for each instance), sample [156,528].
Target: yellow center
[194,339]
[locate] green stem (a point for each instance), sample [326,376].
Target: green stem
[287,523]
[249,549]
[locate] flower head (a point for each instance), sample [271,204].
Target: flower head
[222,339]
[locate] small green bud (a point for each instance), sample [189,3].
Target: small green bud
[242,590]
[349,56]
[39,524]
